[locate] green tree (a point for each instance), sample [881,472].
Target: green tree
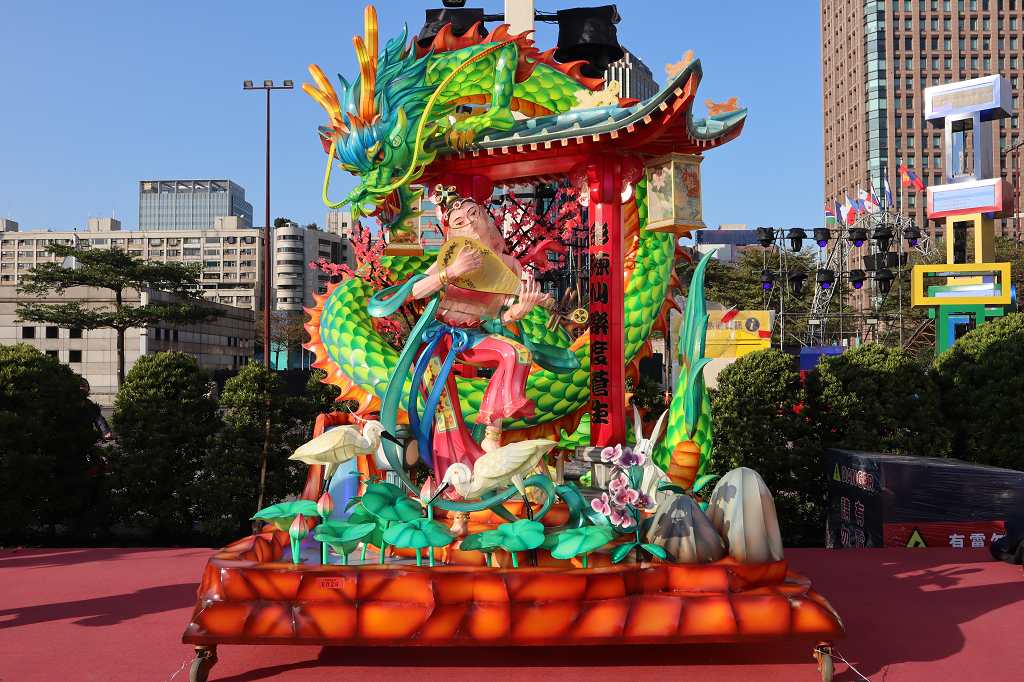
[165,420]
[757,424]
[281,222]
[46,434]
[979,382]
[242,467]
[877,399]
[115,270]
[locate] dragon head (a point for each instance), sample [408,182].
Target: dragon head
[374,121]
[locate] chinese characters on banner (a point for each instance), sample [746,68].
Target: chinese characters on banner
[600,327]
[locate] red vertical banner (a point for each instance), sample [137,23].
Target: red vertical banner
[602,176]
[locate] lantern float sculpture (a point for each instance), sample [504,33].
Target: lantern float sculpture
[597,557]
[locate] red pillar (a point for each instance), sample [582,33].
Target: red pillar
[602,177]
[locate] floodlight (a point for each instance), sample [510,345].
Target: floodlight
[246,84]
[912,234]
[857,278]
[857,235]
[822,235]
[884,278]
[825,278]
[765,236]
[767,279]
[796,281]
[796,238]
[268,84]
[883,237]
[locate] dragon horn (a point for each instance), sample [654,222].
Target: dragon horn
[370,19]
[367,55]
[325,95]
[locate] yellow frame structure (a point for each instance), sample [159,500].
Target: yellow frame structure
[919,298]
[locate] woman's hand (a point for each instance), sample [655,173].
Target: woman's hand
[529,297]
[468,260]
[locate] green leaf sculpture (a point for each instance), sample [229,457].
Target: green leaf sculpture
[282,515]
[521,536]
[420,533]
[342,536]
[486,542]
[388,503]
[581,541]
[620,552]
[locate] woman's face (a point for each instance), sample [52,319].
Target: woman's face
[470,220]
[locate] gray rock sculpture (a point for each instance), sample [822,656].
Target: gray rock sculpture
[680,527]
[743,512]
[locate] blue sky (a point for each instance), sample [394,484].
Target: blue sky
[98,96]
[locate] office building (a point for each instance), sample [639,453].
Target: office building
[339,223]
[634,77]
[226,343]
[190,204]
[725,241]
[231,255]
[877,59]
[295,248]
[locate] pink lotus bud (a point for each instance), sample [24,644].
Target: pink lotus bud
[298,528]
[325,506]
[428,489]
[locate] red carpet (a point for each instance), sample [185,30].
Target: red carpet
[110,615]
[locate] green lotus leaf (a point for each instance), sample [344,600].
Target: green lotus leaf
[419,533]
[388,503]
[521,536]
[486,542]
[359,516]
[581,540]
[342,536]
[282,514]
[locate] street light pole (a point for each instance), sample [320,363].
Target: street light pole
[267,243]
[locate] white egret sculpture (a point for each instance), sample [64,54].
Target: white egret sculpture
[499,467]
[342,444]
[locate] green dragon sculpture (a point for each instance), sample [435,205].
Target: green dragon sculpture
[408,94]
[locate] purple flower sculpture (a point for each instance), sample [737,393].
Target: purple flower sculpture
[623,507]
[601,506]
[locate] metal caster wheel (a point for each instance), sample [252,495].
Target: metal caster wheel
[206,658]
[823,655]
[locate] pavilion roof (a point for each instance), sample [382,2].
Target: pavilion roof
[545,148]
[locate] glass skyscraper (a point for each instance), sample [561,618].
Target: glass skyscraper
[190,204]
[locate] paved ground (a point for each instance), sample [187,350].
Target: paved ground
[110,615]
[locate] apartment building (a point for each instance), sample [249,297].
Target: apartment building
[231,254]
[878,57]
[295,248]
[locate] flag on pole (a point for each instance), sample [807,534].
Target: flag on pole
[910,180]
[840,216]
[888,191]
[851,211]
[830,217]
[874,198]
[867,202]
